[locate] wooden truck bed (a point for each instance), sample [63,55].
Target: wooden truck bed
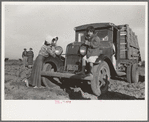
[129,48]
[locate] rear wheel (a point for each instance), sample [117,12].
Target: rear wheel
[101,77]
[128,73]
[47,80]
[135,73]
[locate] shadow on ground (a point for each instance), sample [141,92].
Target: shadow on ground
[141,78]
[85,87]
[117,96]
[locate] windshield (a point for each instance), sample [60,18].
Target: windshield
[81,37]
[103,34]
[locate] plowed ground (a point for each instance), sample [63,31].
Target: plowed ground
[118,89]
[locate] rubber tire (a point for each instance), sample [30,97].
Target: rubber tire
[59,65]
[129,74]
[135,73]
[46,81]
[97,76]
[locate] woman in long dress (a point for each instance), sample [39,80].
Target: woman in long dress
[46,50]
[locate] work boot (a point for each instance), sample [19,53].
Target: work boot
[82,72]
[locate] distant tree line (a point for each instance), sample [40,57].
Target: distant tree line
[6,59]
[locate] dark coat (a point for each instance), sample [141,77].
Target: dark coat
[94,46]
[30,56]
[24,53]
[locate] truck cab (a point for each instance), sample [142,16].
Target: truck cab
[105,32]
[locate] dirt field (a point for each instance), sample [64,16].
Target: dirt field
[118,89]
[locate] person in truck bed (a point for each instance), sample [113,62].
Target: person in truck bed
[93,42]
[47,49]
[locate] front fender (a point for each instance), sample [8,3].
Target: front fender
[103,57]
[57,61]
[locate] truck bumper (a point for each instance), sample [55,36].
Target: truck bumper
[65,75]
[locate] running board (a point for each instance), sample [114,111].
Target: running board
[65,75]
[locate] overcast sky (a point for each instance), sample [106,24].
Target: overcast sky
[27,25]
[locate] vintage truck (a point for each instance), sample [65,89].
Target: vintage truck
[119,54]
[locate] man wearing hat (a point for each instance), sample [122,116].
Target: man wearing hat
[24,56]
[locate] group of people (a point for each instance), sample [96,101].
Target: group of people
[92,41]
[28,58]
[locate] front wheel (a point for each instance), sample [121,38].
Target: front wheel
[101,77]
[47,80]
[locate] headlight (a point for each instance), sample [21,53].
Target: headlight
[83,50]
[58,50]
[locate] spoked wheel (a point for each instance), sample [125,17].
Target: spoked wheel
[101,77]
[47,80]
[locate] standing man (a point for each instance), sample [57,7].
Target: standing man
[30,55]
[24,56]
[93,42]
